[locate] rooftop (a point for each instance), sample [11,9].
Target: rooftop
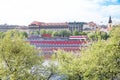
[36,23]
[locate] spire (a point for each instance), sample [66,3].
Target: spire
[110,21]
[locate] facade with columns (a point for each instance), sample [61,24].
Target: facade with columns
[76,26]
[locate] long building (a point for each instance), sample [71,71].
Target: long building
[49,45]
[49,26]
[6,27]
[35,25]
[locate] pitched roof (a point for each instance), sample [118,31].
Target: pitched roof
[54,24]
[36,23]
[92,24]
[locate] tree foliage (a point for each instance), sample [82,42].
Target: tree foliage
[68,64]
[19,33]
[83,33]
[24,34]
[17,58]
[55,34]
[64,33]
[2,34]
[75,33]
[98,35]
[42,31]
[101,61]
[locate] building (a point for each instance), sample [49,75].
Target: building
[91,26]
[23,29]
[105,28]
[76,26]
[48,26]
[35,25]
[57,26]
[49,45]
[6,27]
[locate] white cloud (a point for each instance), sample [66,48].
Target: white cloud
[26,11]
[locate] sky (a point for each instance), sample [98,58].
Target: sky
[23,12]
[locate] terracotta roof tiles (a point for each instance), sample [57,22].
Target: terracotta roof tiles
[36,23]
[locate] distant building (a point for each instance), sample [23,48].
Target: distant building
[105,28]
[23,29]
[48,26]
[6,27]
[56,26]
[76,26]
[35,25]
[91,26]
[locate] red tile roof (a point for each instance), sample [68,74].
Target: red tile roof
[36,23]
[92,24]
[54,24]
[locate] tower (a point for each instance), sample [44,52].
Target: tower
[109,22]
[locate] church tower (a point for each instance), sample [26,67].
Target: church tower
[110,22]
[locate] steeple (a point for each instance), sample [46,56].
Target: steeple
[110,21]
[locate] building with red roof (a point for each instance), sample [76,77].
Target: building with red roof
[35,25]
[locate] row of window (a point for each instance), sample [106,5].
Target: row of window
[63,48]
[58,42]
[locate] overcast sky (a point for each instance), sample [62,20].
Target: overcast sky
[23,12]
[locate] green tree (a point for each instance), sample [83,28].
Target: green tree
[55,33]
[24,34]
[42,31]
[2,34]
[68,64]
[38,32]
[68,33]
[91,36]
[17,58]
[98,35]
[101,61]
[104,35]
[64,33]
[31,33]
[75,33]
[82,33]
[49,31]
